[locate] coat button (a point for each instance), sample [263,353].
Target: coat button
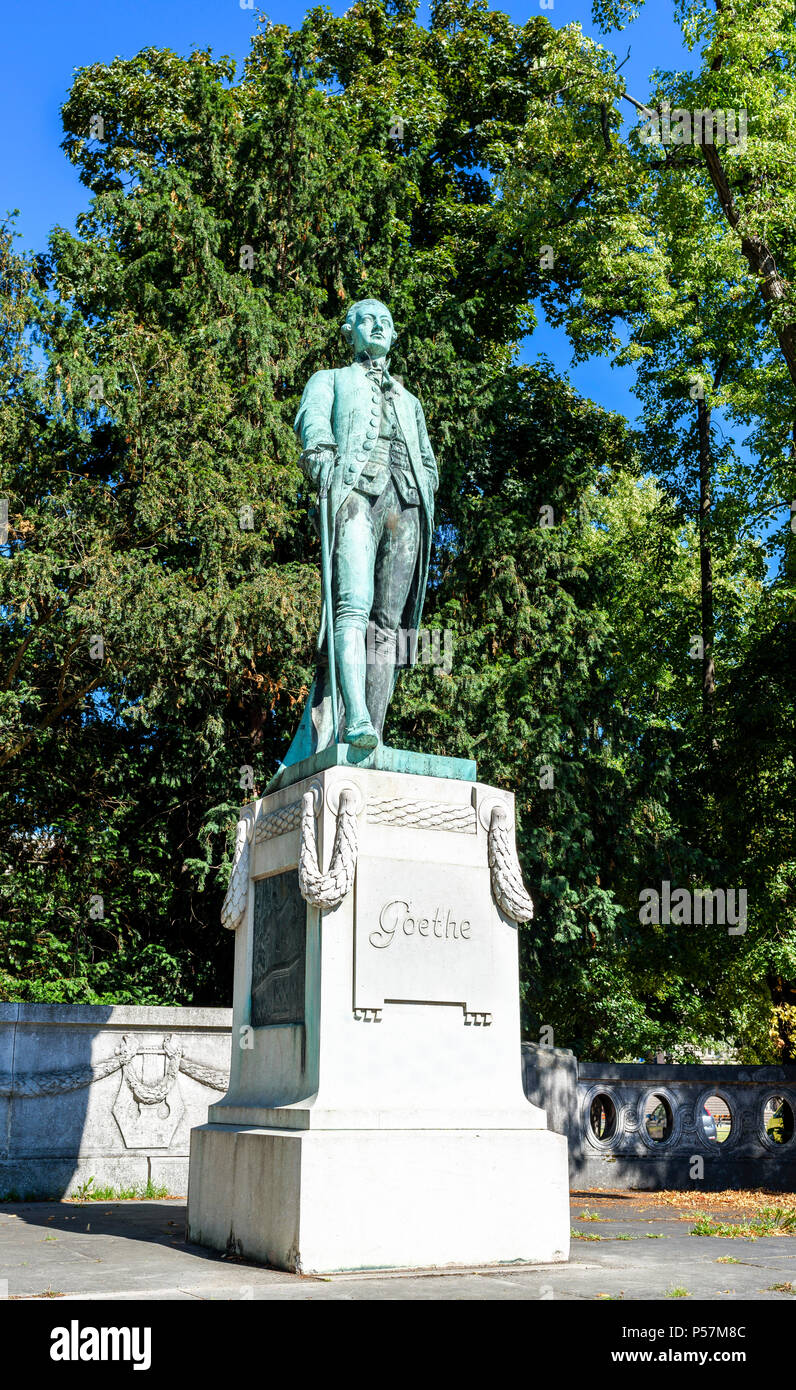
[368,444]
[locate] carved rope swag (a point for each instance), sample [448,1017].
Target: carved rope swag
[53,1083]
[234,904]
[508,889]
[327,890]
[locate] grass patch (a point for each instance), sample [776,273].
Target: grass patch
[585,1235]
[677,1293]
[769,1221]
[587,1215]
[778,1219]
[87,1192]
[780,1288]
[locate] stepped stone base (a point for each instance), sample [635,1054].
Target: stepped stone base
[376,1115]
[325,1201]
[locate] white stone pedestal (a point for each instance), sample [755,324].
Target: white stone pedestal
[375,1115]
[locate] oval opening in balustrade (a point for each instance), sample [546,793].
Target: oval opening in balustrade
[716,1119]
[778,1120]
[602,1118]
[658,1119]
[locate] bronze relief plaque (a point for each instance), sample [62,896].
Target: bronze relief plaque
[279,951]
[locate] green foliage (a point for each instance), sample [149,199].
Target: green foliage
[151,368]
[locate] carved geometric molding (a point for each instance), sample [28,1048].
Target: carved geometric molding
[147,1126]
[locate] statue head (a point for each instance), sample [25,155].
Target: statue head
[369,328]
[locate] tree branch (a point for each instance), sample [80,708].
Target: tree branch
[759,257]
[51,717]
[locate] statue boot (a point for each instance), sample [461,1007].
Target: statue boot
[380,679]
[349,650]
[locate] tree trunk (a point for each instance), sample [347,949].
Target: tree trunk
[706,577]
[758,255]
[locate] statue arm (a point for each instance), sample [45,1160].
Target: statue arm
[313,423]
[426,451]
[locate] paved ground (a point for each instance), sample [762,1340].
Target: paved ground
[137,1250]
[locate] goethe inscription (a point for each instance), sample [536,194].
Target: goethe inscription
[424,942]
[398,918]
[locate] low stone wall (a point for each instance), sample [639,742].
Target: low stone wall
[643,1126]
[105,1093]
[113,1093]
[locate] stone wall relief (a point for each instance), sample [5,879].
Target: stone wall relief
[148,1105]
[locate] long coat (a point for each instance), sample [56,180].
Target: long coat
[341,409]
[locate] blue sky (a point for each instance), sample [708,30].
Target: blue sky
[45,42]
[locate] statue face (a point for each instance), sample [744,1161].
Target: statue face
[373,330]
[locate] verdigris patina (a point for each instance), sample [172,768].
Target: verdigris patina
[366,448]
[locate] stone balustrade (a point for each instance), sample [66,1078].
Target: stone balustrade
[645,1126]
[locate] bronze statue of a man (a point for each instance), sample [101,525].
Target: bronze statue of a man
[366,448]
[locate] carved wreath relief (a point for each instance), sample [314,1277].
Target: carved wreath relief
[148,1105]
